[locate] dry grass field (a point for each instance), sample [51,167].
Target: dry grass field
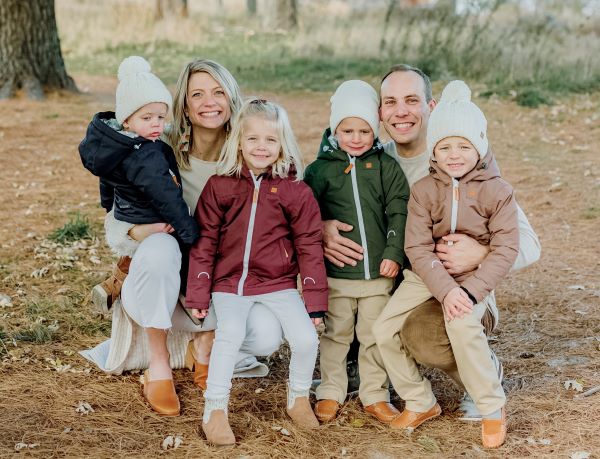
[550,312]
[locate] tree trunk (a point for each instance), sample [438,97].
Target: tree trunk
[164,8]
[284,14]
[251,7]
[30,56]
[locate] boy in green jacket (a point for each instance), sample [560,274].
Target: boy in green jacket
[354,181]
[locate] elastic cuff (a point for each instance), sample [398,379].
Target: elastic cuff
[471,297]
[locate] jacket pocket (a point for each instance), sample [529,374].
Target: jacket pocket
[286,254]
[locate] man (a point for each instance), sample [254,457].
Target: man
[406,103]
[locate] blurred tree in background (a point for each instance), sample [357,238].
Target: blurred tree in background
[30,55]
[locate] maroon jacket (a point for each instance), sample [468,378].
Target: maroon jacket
[280,222]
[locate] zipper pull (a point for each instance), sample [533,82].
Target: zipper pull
[352,159]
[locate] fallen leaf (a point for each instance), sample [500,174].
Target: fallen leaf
[580,455]
[5,301]
[285,432]
[20,446]
[259,391]
[357,422]
[84,408]
[573,384]
[167,442]
[428,444]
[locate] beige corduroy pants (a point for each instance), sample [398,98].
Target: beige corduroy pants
[353,304]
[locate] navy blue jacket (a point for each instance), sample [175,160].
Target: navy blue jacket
[138,177]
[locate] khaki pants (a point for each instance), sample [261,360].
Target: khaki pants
[353,304]
[469,345]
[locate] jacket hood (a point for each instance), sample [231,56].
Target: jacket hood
[103,147]
[485,169]
[330,150]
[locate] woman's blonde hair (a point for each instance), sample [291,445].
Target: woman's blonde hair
[231,160]
[180,122]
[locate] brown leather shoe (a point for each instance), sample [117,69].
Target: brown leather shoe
[217,430]
[106,293]
[161,396]
[384,412]
[410,420]
[493,431]
[302,414]
[200,369]
[326,410]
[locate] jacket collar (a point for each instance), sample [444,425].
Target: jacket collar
[330,150]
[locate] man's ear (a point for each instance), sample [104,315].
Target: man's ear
[432,103]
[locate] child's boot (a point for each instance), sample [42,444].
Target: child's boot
[200,369]
[215,423]
[493,431]
[105,293]
[299,409]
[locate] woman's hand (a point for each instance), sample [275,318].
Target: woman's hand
[338,249]
[464,255]
[316,321]
[141,232]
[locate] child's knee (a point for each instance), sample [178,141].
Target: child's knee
[305,343]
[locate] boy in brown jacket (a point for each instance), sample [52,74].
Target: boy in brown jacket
[463,193]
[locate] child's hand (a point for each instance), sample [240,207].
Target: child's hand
[141,232]
[456,304]
[200,313]
[389,268]
[316,321]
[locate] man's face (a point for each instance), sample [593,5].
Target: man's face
[404,110]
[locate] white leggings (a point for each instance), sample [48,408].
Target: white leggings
[151,289]
[232,312]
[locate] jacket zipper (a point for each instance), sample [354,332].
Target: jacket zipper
[455,199]
[361,223]
[248,246]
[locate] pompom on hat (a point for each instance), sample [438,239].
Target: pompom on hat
[138,86]
[456,116]
[355,99]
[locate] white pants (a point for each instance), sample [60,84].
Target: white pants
[232,313]
[151,290]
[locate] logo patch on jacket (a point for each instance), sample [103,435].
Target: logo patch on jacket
[369,165]
[273,189]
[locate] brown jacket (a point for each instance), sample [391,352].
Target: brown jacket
[486,211]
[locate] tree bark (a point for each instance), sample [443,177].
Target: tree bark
[164,8]
[251,7]
[284,14]
[30,56]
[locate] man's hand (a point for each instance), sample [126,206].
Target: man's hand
[340,250]
[141,232]
[389,268]
[464,255]
[200,313]
[456,304]
[316,321]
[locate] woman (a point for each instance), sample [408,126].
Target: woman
[206,96]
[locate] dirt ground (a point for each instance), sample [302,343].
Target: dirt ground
[549,331]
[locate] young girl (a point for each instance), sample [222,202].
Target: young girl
[260,226]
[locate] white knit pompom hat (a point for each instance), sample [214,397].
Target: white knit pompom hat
[137,87]
[355,98]
[456,116]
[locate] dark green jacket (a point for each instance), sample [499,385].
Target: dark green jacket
[382,192]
